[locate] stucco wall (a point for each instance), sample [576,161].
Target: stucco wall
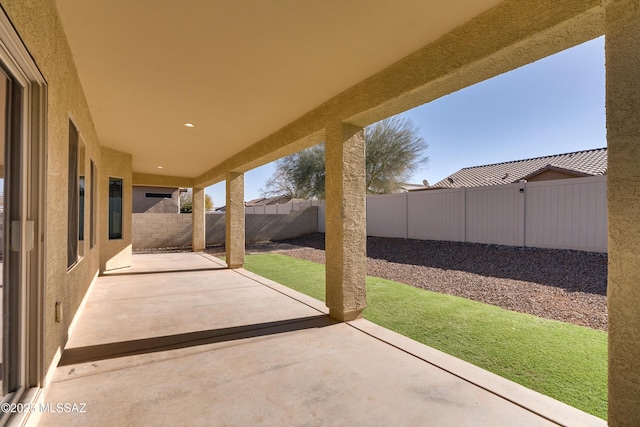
[39,26]
[551,175]
[142,203]
[115,253]
[622,48]
[513,34]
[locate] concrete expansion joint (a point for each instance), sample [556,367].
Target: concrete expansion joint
[234,266]
[459,372]
[345,316]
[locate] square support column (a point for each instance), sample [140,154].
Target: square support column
[346,224]
[198,226]
[234,236]
[622,47]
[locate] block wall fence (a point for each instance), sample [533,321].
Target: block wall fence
[559,214]
[164,230]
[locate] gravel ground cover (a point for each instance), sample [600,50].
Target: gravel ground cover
[569,286]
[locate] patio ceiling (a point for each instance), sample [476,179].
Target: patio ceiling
[238,70]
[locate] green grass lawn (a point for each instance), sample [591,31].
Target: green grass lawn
[564,361]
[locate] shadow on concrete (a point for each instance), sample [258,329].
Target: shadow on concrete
[191,339]
[187,270]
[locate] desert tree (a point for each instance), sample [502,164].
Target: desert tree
[186,202]
[394,151]
[299,175]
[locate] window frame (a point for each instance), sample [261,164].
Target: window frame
[73,203]
[93,185]
[115,233]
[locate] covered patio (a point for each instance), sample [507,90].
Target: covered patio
[179,339]
[108,95]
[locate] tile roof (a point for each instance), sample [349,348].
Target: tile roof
[581,163]
[266,201]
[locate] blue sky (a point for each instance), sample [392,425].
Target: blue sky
[555,105]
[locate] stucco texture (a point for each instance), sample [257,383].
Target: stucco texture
[622,46]
[115,253]
[198,226]
[235,220]
[39,26]
[510,35]
[346,222]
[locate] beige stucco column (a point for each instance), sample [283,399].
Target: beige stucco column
[198,227]
[622,45]
[234,236]
[346,227]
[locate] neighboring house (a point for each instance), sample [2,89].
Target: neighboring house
[263,201]
[266,201]
[156,199]
[406,186]
[557,166]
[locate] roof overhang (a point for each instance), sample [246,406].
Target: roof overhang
[260,80]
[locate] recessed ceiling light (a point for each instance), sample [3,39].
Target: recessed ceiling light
[160,167]
[189,125]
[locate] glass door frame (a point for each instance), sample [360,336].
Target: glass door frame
[25,234]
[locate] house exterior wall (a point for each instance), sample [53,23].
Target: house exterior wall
[115,253]
[41,31]
[550,175]
[511,35]
[142,203]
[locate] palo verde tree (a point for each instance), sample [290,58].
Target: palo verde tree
[394,151]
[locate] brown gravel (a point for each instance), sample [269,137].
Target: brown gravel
[569,286]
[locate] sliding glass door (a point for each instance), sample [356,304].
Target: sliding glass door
[22,103]
[12,261]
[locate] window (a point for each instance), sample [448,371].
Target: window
[81,196]
[158,195]
[73,195]
[115,208]
[75,201]
[92,204]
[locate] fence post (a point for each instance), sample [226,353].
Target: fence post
[523,206]
[464,217]
[406,215]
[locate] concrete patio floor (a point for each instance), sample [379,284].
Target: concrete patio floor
[179,340]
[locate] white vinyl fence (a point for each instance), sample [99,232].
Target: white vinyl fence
[563,214]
